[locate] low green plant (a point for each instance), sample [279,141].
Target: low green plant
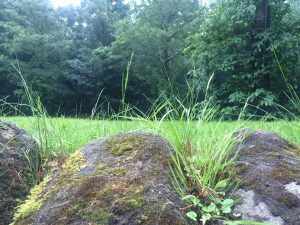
[202,180]
[215,210]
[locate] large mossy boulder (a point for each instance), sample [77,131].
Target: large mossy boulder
[16,148]
[122,180]
[268,169]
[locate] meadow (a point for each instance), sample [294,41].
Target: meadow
[66,135]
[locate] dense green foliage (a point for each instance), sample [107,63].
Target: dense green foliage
[238,42]
[71,55]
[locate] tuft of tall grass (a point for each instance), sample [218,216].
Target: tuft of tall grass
[292,95]
[125,80]
[41,125]
[200,163]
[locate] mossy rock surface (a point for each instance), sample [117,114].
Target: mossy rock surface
[15,169]
[268,170]
[123,179]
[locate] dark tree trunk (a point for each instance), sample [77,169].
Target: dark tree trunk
[261,23]
[262,16]
[166,67]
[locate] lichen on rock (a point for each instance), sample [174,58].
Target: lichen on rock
[268,171]
[124,179]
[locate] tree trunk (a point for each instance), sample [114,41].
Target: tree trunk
[262,22]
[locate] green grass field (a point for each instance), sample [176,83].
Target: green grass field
[69,134]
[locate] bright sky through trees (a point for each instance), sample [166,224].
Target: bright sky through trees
[58,3]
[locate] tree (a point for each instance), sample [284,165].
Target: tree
[92,28]
[6,87]
[156,34]
[237,43]
[35,41]
[54,49]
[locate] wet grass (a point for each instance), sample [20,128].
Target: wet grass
[66,135]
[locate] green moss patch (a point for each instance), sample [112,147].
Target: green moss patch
[127,204]
[120,145]
[108,169]
[295,151]
[285,173]
[73,164]
[40,193]
[32,203]
[97,200]
[96,216]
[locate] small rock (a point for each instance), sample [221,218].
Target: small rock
[268,169]
[253,211]
[118,180]
[15,169]
[293,188]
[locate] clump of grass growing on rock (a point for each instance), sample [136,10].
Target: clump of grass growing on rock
[200,163]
